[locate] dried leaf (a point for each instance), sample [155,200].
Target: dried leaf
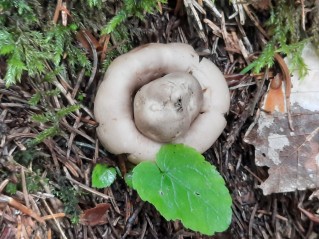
[261,5]
[95,216]
[292,156]
[275,98]
[85,44]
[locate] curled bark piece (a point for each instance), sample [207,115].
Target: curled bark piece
[128,73]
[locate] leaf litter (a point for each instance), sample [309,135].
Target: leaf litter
[292,156]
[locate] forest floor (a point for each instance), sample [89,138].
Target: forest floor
[46,187]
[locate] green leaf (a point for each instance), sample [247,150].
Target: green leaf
[182,185]
[129,179]
[103,176]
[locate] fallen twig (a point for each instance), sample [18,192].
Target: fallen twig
[12,202]
[95,61]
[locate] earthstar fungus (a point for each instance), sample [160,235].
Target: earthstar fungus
[160,93]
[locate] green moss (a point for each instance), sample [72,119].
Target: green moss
[285,38]
[70,198]
[34,182]
[52,118]
[11,188]
[132,8]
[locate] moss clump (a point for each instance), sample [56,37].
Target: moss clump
[286,37]
[132,8]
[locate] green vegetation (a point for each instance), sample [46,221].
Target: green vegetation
[70,198]
[132,8]
[103,176]
[120,34]
[35,47]
[31,47]
[94,3]
[32,51]
[182,186]
[285,38]
[119,31]
[53,118]
[37,50]
[34,182]
[26,157]
[129,179]
[11,188]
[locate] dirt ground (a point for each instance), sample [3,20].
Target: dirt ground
[53,178]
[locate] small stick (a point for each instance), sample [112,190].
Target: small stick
[212,6]
[255,20]
[259,91]
[216,29]
[56,222]
[54,216]
[19,227]
[117,236]
[12,202]
[199,7]
[251,221]
[74,130]
[96,151]
[131,220]
[255,176]
[78,83]
[57,11]
[3,184]
[106,40]
[303,24]
[95,61]
[76,125]
[270,213]
[226,38]
[311,216]
[287,80]
[24,188]
[160,7]
[178,7]
[88,188]
[189,5]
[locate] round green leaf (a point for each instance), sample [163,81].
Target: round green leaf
[182,185]
[103,176]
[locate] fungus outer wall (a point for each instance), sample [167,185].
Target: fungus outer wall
[129,72]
